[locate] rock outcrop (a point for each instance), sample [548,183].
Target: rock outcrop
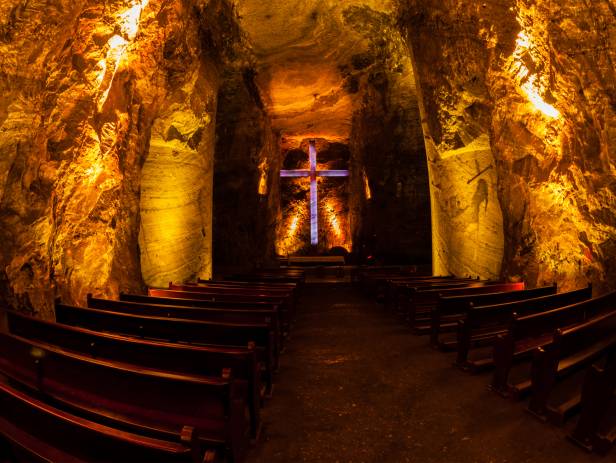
[85,86]
[536,79]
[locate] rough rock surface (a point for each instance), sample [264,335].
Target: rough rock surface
[246,180]
[537,79]
[82,84]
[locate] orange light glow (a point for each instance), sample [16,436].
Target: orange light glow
[117,46]
[531,85]
[263,178]
[293,227]
[333,220]
[367,189]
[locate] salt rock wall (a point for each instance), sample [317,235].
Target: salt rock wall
[391,196]
[246,179]
[537,79]
[81,84]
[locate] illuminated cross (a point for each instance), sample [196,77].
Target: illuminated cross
[313,173]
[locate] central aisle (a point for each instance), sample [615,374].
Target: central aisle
[356,386]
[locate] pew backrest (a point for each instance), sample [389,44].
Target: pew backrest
[130,396]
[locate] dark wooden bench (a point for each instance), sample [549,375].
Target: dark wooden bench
[383,287]
[450,309]
[397,288]
[33,430]
[481,325]
[405,292]
[269,317]
[596,427]
[144,401]
[270,277]
[257,292]
[285,298]
[179,330]
[571,350]
[240,363]
[205,301]
[529,332]
[423,300]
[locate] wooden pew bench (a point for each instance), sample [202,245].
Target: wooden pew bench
[282,297]
[250,290]
[396,287]
[407,291]
[571,350]
[596,427]
[205,301]
[423,300]
[269,317]
[529,332]
[293,288]
[481,325]
[238,363]
[179,330]
[143,401]
[33,430]
[451,309]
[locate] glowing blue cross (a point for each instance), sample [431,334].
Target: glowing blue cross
[313,173]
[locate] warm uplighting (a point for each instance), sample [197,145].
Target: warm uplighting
[288,241]
[293,226]
[333,220]
[263,179]
[129,20]
[367,189]
[117,46]
[528,83]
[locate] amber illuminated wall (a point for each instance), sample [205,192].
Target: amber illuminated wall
[91,92]
[518,115]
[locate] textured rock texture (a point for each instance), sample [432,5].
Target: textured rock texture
[340,72]
[391,192]
[536,79]
[246,180]
[84,85]
[300,47]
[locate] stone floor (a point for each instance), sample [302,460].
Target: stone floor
[355,386]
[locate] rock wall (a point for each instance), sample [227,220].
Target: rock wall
[83,83]
[246,181]
[528,87]
[391,196]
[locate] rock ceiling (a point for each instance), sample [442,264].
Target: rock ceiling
[301,47]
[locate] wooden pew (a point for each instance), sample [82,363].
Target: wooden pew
[270,277]
[33,430]
[482,325]
[144,401]
[179,330]
[405,292]
[423,300]
[269,317]
[256,291]
[397,288]
[596,427]
[449,310]
[292,287]
[284,297]
[529,332]
[571,350]
[240,363]
[204,301]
